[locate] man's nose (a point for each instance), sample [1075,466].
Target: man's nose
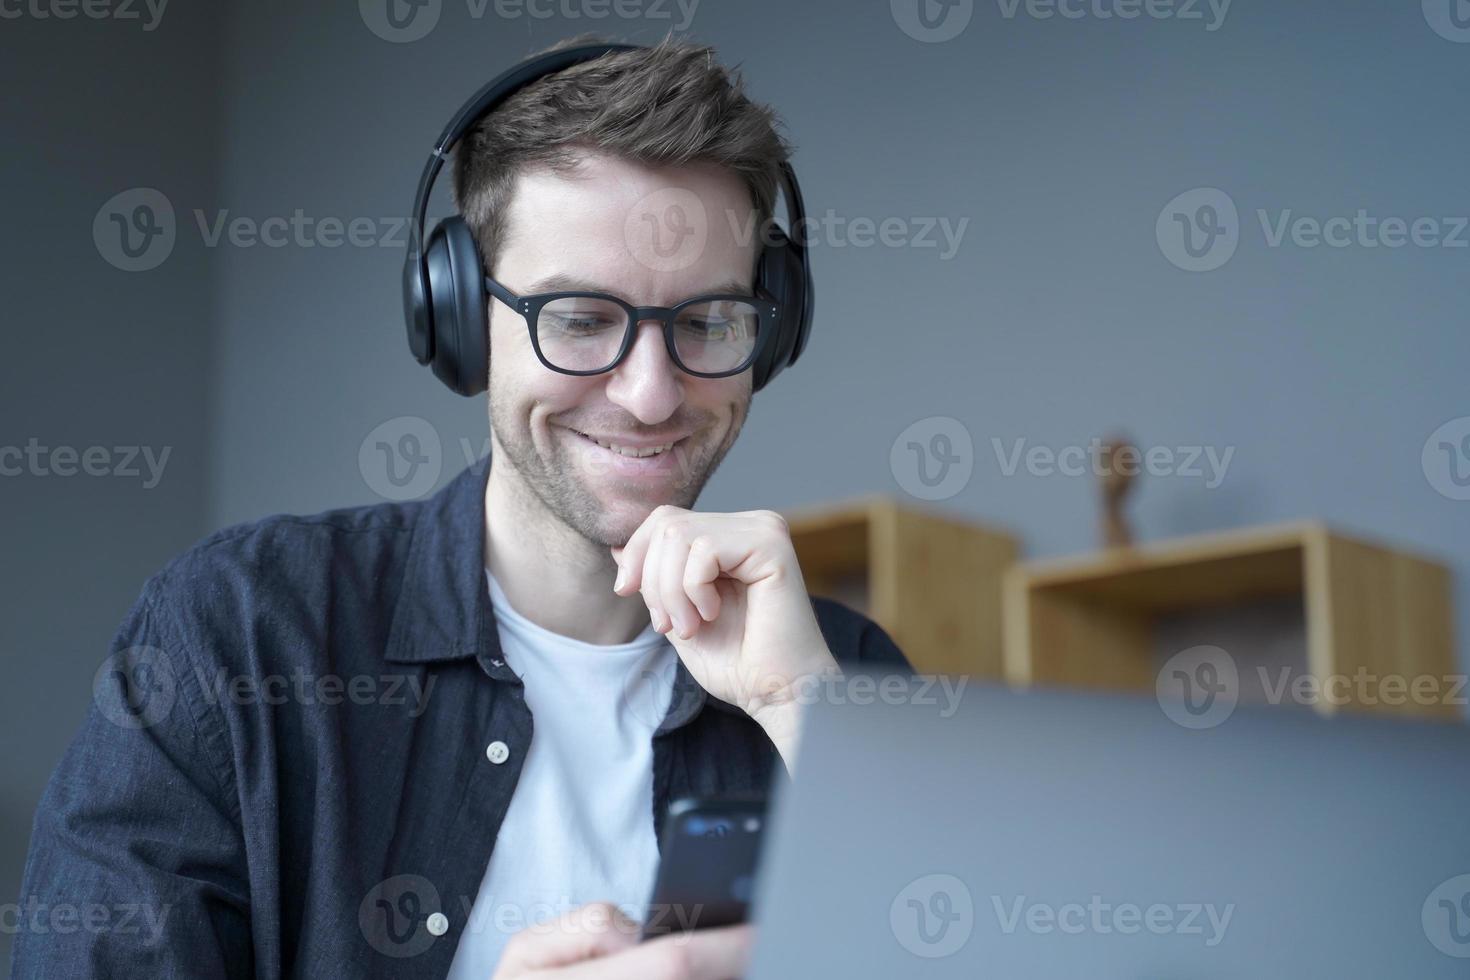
[648,383]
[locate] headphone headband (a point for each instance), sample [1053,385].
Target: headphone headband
[490,95]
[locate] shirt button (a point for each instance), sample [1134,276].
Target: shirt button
[438,924]
[497,752]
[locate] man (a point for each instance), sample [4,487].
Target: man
[312,751]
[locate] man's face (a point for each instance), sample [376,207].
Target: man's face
[652,237]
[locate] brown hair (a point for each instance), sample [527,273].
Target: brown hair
[665,104]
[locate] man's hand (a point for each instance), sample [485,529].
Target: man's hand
[598,941]
[727,591]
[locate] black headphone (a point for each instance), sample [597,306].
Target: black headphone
[444,284]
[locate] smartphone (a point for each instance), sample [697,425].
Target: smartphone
[707,867]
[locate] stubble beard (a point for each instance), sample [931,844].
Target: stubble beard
[559,494]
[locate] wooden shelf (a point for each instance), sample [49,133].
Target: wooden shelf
[1089,621]
[933,582]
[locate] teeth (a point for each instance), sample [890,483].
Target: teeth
[632,451]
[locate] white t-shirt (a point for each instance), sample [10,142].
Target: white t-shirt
[580,825]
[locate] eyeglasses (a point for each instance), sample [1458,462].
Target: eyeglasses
[591,333]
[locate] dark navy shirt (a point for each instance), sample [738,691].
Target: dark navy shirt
[302,746]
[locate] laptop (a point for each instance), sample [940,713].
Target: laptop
[1047,834]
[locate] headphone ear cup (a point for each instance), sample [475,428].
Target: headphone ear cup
[456,302]
[416,311]
[781,276]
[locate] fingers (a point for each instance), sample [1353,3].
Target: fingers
[589,932]
[675,557]
[631,558]
[700,574]
[671,558]
[708,954]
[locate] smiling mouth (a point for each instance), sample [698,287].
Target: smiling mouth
[631,452]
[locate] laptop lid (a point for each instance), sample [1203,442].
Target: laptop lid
[1050,834]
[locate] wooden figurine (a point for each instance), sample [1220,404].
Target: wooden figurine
[1119,464]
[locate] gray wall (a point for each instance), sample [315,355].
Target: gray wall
[1058,319]
[95,357]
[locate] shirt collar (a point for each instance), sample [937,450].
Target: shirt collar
[444,612]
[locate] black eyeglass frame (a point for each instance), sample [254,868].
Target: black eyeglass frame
[767,313]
